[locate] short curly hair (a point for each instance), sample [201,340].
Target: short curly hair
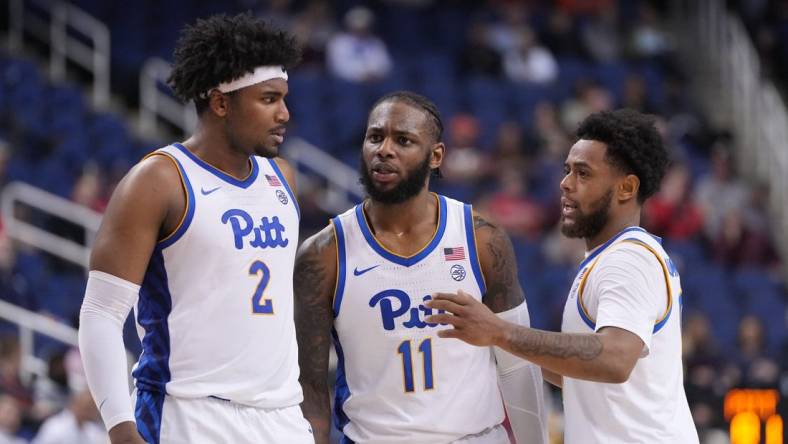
[222,48]
[418,101]
[634,145]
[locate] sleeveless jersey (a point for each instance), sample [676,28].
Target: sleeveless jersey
[651,406]
[397,381]
[216,303]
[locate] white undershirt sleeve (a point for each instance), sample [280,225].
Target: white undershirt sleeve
[108,300]
[522,387]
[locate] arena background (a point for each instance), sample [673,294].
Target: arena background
[82,99]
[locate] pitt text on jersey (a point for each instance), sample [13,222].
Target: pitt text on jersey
[269,234]
[389,314]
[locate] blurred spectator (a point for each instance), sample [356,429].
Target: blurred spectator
[512,208]
[601,35]
[758,369]
[51,393]
[589,97]
[736,245]
[10,366]
[635,95]
[509,147]
[561,36]
[314,27]
[77,424]
[648,39]
[703,383]
[465,164]
[672,213]
[358,55]
[478,58]
[719,192]
[504,34]
[10,419]
[528,61]
[88,189]
[577,7]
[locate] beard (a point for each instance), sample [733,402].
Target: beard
[408,187]
[589,225]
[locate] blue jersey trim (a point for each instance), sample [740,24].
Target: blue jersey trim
[397,259]
[191,204]
[219,173]
[470,236]
[153,310]
[658,326]
[599,250]
[341,265]
[282,179]
[342,392]
[148,415]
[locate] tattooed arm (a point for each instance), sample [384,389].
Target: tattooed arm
[314,280]
[605,356]
[499,267]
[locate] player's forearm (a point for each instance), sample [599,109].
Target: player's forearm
[553,378]
[581,356]
[317,410]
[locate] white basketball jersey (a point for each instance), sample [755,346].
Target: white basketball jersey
[216,304]
[651,407]
[397,381]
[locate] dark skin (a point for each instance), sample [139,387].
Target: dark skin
[400,134]
[150,201]
[608,355]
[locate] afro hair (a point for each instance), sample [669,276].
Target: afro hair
[223,48]
[634,145]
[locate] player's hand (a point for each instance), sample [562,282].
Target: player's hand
[473,322]
[125,433]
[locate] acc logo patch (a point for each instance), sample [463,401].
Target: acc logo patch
[458,272]
[282,197]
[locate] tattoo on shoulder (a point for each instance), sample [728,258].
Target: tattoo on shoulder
[559,345]
[503,288]
[479,222]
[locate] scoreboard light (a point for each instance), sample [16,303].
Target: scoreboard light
[747,409]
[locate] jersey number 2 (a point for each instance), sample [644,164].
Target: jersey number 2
[260,305]
[425,348]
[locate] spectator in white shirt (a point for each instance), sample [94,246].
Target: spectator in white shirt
[358,55]
[77,424]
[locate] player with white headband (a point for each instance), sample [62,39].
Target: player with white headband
[200,239]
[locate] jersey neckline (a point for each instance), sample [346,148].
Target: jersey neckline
[406,261]
[241,183]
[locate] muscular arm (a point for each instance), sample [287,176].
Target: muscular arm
[148,202]
[499,267]
[314,283]
[608,355]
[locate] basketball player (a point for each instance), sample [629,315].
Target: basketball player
[618,357]
[364,281]
[201,236]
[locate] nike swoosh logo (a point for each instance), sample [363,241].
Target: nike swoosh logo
[207,192]
[357,272]
[102,403]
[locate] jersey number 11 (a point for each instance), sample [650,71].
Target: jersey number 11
[425,348]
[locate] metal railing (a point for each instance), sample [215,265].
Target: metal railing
[64,28]
[339,188]
[155,103]
[21,230]
[718,52]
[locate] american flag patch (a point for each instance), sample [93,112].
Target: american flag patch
[454,254]
[273,181]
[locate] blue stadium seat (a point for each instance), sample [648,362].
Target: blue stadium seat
[763,297]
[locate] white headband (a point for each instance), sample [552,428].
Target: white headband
[260,74]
